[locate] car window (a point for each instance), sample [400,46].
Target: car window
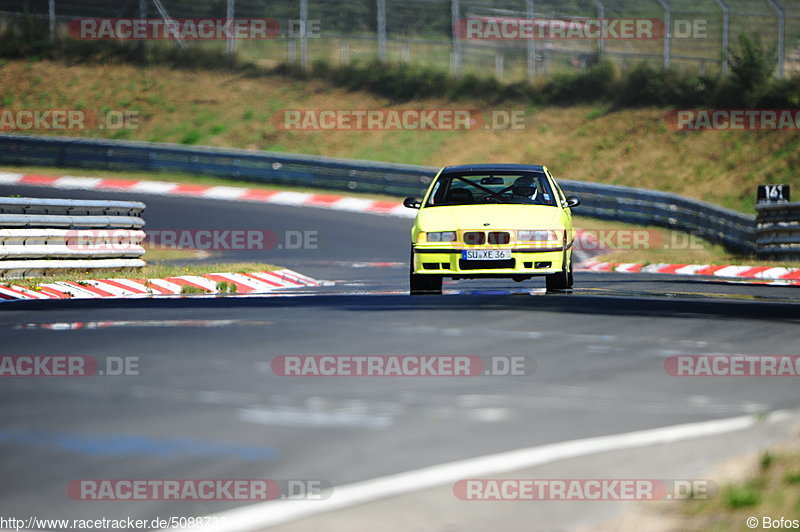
[523,188]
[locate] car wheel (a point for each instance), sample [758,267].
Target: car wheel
[563,279]
[425,284]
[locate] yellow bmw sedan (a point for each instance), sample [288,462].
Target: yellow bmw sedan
[492,221]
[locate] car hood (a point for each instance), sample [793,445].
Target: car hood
[497,216]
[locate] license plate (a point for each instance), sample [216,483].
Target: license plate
[486,254]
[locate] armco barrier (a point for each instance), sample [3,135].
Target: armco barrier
[733,230]
[40,236]
[778,230]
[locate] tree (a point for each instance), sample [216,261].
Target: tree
[751,64]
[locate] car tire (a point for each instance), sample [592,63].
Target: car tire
[425,284]
[422,285]
[562,280]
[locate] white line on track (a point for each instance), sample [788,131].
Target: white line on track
[263,515]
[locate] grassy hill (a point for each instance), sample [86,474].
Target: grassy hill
[627,147]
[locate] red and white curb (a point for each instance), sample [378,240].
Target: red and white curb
[256,195]
[245,283]
[764,274]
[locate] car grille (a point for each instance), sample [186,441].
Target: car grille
[474,238]
[485,264]
[499,237]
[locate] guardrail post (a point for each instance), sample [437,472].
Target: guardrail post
[781,35]
[726,29]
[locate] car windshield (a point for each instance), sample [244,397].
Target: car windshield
[474,188]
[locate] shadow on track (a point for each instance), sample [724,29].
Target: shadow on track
[571,303]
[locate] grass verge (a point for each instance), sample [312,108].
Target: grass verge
[589,142]
[772,491]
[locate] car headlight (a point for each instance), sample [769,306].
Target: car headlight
[538,235]
[442,236]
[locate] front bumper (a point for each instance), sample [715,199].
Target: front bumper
[440,260]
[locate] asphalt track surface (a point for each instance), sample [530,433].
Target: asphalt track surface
[208,406]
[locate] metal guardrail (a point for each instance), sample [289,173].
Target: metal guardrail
[85,222]
[734,230]
[70,207]
[41,236]
[778,230]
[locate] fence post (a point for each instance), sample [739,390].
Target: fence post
[499,65]
[726,29]
[231,45]
[531,45]
[667,31]
[51,15]
[781,34]
[601,14]
[166,18]
[142,16]
[382,30]
[304,35]
[456,16]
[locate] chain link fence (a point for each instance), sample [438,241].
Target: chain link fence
[691,35]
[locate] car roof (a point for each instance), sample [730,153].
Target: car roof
[494,167]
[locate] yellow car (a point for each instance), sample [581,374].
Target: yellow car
[492,221]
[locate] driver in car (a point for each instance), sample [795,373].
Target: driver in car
[526,187]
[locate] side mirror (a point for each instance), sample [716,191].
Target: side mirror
[412,203]
[573,201]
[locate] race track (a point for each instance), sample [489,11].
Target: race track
[207,404]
